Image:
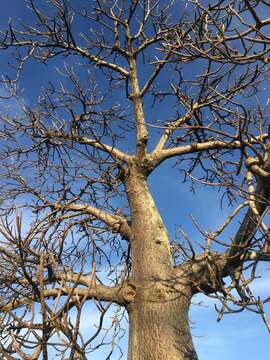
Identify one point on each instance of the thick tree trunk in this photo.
(159, 330)
(158, 316)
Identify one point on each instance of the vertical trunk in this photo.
(159, 330)
(150, 246)
(158, 316)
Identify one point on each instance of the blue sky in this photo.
(237, 336)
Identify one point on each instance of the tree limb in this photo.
(116, 223)
(161, 155)
(121, 294)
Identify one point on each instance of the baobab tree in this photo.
(131, 85)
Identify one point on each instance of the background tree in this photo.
(131, 85)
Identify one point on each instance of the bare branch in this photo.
(114, 222)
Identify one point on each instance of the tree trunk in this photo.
(159, 329)
(158, 316)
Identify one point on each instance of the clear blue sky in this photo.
(239, 336)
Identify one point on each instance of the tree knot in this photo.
(128, 292)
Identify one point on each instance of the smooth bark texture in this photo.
(158, 316)
(149, 235)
